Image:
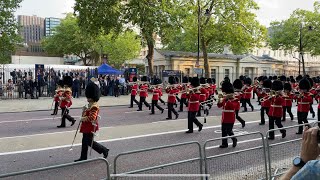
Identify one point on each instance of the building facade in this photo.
(50, 24)
(32, 28)
(221, 65)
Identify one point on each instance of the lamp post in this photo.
(198, 56)
(299, 62)
(301, 48)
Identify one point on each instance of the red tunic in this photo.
(214, 88)
(57, 96)
(203, 95)
(228, 111)
(318, 98)
(194, 103)
(247, 92)
(172, 94)
(184, 94)
(134, 89)
(143, 90)
(276, 108)
(304, 102)
(66, 100)
(238, 96)
(156, 94)
(92, 117)
(288, 100)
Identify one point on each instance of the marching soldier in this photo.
(237, 84)
(184, 88)
(312, 93)
(194, 106)
(155, 97)
(304, 99)
(264, 99)
(134, 89)
(143, 94)
(288, 97)
(276, 109)
(172, 92)
(228, 114)
(203, 95)
(90, 124)
(66, 102)
(160, 99)
(247, 89)
(57, 97)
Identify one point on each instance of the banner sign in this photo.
(167, 73)
(132, 73)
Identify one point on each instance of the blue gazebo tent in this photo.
(106, 69)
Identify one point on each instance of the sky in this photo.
(270, 10)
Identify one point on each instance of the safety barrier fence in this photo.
(255, 157)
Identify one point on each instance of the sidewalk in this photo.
(21, 105)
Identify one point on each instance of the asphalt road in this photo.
(247, 163)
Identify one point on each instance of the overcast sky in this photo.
(270, 10)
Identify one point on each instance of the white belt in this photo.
(228, 111)
(303, 103)
(247, 92)
(155, 93)
(276, 106)
(193, 101)
(202, 94)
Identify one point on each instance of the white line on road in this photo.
(28, 120)
(111, 140)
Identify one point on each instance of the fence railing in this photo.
(189, 160)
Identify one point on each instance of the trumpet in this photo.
(154, 86)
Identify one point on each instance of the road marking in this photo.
(28, 120)
(103, 141)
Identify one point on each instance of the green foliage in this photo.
(286, 34)
(8, 28)
(71, 39)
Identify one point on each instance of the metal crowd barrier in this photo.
(65, 171)
(279, 159)
(191, 167)
(238, 160)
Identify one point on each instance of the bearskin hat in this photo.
(157, 81)
(264, 78)
(190, 79)
(195, 82)
(248, 81)
(93, 92)
(260, 78)
(226, 79)
(242, 78)
(292, 80)
(277, 85)
(237, 84)
(287, 86)
(144, 79)
(213, 80)
(171, 80)
(288, 80)
(304, 84)
(270, 77)
(315, 80)
(274, 78)
(308, 76)
(283, 78)
(209, 81)
(267, 83)
(67, 81)
(185, 80)
(298, 78)
(202, 80)
(227, 87)
(134, 79)
(60, 83)
(177, 80)
(311, 81)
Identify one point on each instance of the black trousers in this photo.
(161, 100)
(133, 99)
(178, 99)
(170, 110)
(65, 115)
(245, 102)
(143, 100)
(277, 121)
(226, 130)
(155, 103)
(192, 119)
(55, 110)
(311, 109)
(263, 110)
(239, 118)
(183, 101)
(285, 110)
(86, 142)
(318, 117)
(302, 119)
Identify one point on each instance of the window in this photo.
(187, 71)
(246, 72)
(226, 72)
(265, 72)
(213, 73)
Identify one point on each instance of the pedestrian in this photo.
(143, 93)
(10, 88)
(155, 97)
(183, 97)
(237, 84)
(90, 124)
(172, 91)
(75, 87)
(57, 97)
(288, 97)
(247, 89)
(134, 90)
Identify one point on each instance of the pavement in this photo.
(31, 140)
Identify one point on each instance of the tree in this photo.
(8, 28)
(148, 15)
(229, 22)
(300, 33)
(71, 39)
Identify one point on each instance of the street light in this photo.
(299, 62)
(310, 28)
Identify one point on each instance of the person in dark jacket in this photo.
(76, 87)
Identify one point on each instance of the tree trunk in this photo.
(150, 56)
(205, 58)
